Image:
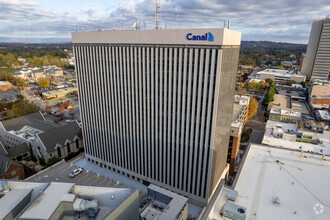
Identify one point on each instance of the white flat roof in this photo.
(285, 112)
(46, 204)
(221, 36)
(301, 185)
(325, 115)
(285, 126)
(2, 83)
(281, 72)
(12, 199)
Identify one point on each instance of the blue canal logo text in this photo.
(207, 36)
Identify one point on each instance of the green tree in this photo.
(290, 82)
(269, 80)
(269, 97)
(21, 108)
(53, 160)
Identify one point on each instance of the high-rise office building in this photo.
(316, 63)
(156, 105)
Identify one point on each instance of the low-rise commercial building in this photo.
(274, 184)
(280, 75)
(10, 169)
(239, 118)
(58, 93)
(289, 135)
(284, 115)
(37, 72)
(56, 200)
(320, 97)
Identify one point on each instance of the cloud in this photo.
(280, 20)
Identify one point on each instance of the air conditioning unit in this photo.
(233, 211)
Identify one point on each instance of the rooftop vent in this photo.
(232, 195)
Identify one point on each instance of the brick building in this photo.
(10, 169)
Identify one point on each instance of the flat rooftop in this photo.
(300, 184)
(221, 36)
(321, 91)
(47, 203)
(285, 112)
(171, 210)
(281, 72)
(12, 199)
(280, 102)
(45, 199)
(291, 128)
(325, 115)
(237, 111)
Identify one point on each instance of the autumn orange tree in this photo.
(253, 108)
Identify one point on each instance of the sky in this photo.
(54, 20)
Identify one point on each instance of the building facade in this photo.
(239, 119)
(156, 106)
(316, 64)
(284, 115)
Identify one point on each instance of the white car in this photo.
(75, 172)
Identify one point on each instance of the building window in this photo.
(77, 144)
(68, 147)
(59, 154)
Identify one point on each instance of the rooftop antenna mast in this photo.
(77, 26)
(177, 18)
(156, 3)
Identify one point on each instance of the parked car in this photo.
(75, 172)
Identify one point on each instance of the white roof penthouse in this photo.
(279, 184)
(172, 37)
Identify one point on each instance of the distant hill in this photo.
(272, 45)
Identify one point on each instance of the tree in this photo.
(269, 97)
(21, 108)
(240, 90)
(35, 62)
(17, 81)
(253, 108)
(44, 81)
(269, 80)
(53, 160)
(290, 82)
(305, 84)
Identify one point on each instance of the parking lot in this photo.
(60, 173)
